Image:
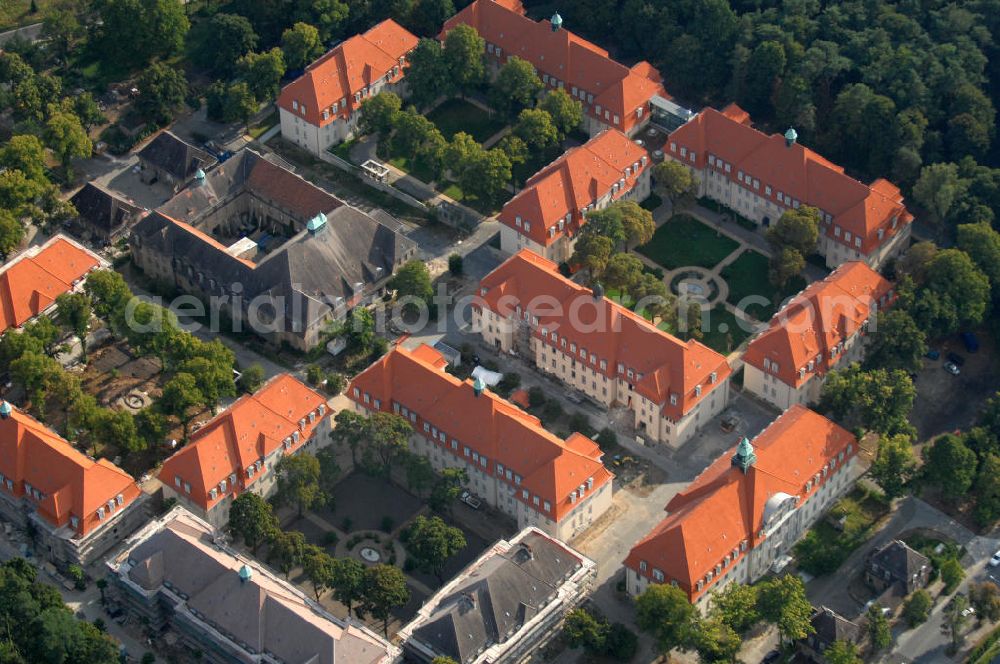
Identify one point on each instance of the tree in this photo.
(796, 229)
(515, 87)
(67, 138)
(419, 474)
(917, 607)
(583, 630)
(117, 429)
(894, 464)
(898, 342)
(879, 400)
(675, 181)
(431, 542)
(73, 312)
(488, 175)
(427, 16)
(987, 490)
(951, 574)
(61, 28)
(463, 57)
(842, 652)
(133, 32)
(622, 273)
(784, 265)
(252, 378)
(298, 480)
(961, 286)
(318, 565)
(955, 620)
(36, 373)
(566, 112)
(26, 154)
(985, 599)
(252, 519)
(108, 292)
(85, 107)
(347, 579)
(535, 127)
(11, 233)
(879, 632)
(982, 244)
(387, 436)
(447, 488)
(412, 280)
(179, 395)
(427, 76)
(262, 72)
(455, 264)
(593, 253)
(951, 466)
(765, 67)
(384, 589)
(736, 606)
(18, 194)
(286, 549)
(351, 430)
(782, 601)
(666, 614)
(221, 41)
(227, 102)
(516, 150)
(716, 641)
(301, 45)
(162, 90)
(938, 190)
(379, 113)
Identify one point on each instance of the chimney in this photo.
(5, 410)
(556, 22)
(790, 137)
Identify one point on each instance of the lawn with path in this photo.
(725, 331)
(747, 276)
(683, 241)
(455, 115)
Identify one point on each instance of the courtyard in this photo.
(455, 115)
(684, 241)
(747, 277)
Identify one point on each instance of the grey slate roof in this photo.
(175, 156)
(498, 598)
(261, 614)
(830, 626)
(899, 560)
(102, 210)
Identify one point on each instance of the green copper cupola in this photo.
(745, 456)
(556, 22)
(791, 136)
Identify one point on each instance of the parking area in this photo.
(946, 402)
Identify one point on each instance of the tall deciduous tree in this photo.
(286, 549)
(298, 480)
(782, 601)
(566, 112)
(535, 127)
(431, 542)
(181, 394)
(736, 606)
(252, 519)
(879, 632)
(894, 464)
(347, 579)
(262, 72)
(951, 465)
(351, 430)
(317, 565)
(897, 343)
(162, 90)
(384, 589)
(221, 41)
(413, 280)
(515, 88)
(379, 113)
(593, 253)
(463, 57)
(301, 45)
(66, 137)
(842, 652)
(676, 182)
(666, 614)
(427, 76)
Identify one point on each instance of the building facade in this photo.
(823, 327)
(744, 513)
(517, 467)
(227, 608)
(482, 615)
(321, 108)
(549, 211)
(79, 508)
(761, 176)
(31, 281)
(238, 450)
(613, 96)
(600, 348)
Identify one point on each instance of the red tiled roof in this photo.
(724, 507)
(577, 179)
(795, 171)
(71, 484)
(819, 318)
(666, 365)
(567, 57)
(249, 430)
(350, 67)
(31, 283)
(488, 425)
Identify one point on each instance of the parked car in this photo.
(955, 359)
(970, 341)
(469, 499)
(951, 368)
(932, 354)
(995, 560)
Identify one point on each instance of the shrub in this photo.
(607, 439)
(580, 422)
(536, 397)
(917, 607)
(330, 538)
(346, 524)
(551, 412)
(620, 643)
(314, 374)
(951, 574)
(335, 383)
(455, 265)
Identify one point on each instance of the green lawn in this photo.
(455, 115)
(15, 13)
(684, 241)
(454, 191)
(747, 276)
(725, 333)
(417, 168)
(258, 130)
(825, 548)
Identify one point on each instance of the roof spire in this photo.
(745, 456)
(556, 22)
